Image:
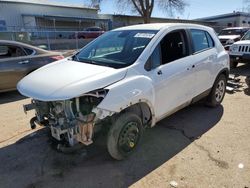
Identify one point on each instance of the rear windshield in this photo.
(231, 32)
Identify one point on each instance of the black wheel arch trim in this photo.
(224, 71)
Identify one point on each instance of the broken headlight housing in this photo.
(71, 120)
(85, 104)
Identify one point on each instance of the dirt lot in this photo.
(196, 147)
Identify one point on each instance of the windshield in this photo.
(231, 32)
(116, 49)
(246, 36)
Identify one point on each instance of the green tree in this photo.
(145, 7)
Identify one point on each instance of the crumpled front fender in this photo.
(128, 92)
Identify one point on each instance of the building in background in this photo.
(235, 19)
(35, 15)
(27, 15)
(55, 25)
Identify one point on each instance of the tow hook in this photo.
(33, 122)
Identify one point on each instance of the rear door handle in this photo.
(193, 66)
(23, 62)
(159, 72)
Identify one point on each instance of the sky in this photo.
(195, 9)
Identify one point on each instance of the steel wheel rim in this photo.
(128, 138)
(220, 90)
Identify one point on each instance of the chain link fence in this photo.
(51, 40)
(57, 39)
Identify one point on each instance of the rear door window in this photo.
(201, 40)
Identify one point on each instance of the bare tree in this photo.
(246, 6)
(145, 7)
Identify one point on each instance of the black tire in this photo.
(218, 91)
(233, 64)
(124, 135)
(248, 81)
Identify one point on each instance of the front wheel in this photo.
(218, 91)
(124, 135)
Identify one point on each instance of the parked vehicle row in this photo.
(230, 35)
(236, 40)
(240, 51)
(127, 80)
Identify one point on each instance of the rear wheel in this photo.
(218, 91)
(233, 64)
(124, 135)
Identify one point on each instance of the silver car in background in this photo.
(19, 59)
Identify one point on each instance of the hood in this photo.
(67, 79)
(229, 36)
(246, 42)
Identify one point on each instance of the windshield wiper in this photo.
(75, 58)
(90, 61)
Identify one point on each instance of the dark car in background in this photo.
(91, 32)
(230, 35)
(19, 59)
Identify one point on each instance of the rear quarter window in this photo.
(210, 40)
(29, 51)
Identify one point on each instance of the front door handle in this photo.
(23, 62)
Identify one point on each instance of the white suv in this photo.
(240, 51)
(126, 80)
(230, 35)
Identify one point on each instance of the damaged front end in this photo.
(71, 121)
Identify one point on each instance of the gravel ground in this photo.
(196, 147)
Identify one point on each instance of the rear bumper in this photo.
(245, 58)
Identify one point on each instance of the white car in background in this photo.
(126, 80)
(230, 35)
(240, 51)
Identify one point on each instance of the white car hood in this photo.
(229, 36)
(243, 42)
(67, 79)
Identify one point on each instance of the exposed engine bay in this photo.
(71, 120)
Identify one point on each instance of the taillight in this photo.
(58, 57)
